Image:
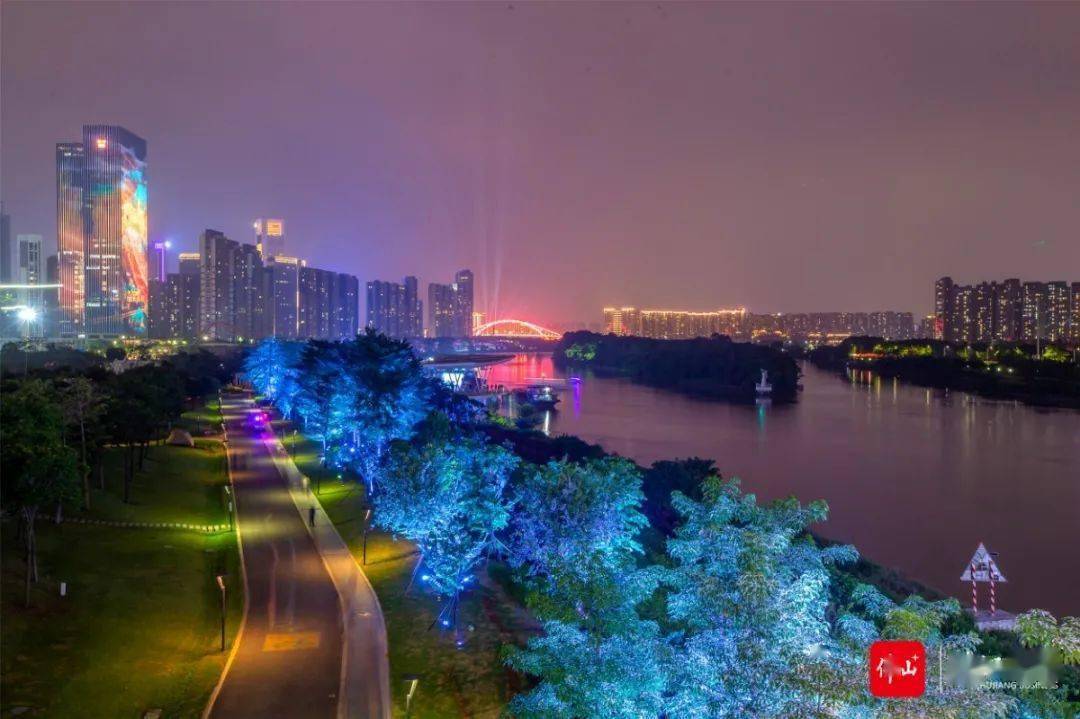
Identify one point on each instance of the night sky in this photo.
(783, 157)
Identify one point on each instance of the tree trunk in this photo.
(129, 470)
(84, 468)
(59, 513)
(31, 549)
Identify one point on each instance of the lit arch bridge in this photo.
(516, 329)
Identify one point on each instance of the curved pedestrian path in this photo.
(313, 640)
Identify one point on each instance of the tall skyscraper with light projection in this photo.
(101, 220)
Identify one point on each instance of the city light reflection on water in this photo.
(914, 477)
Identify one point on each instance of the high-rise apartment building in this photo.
(216, 276)
(284, 296)
(395, 309)
(463, 303)
(249, 300)
(102, 232)
(1057, 311)
(624, 321)
(269, 237)
(1074, 314)
(1006, 311)
(1010, 314)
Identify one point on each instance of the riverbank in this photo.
(1004, 373)
(709, 368)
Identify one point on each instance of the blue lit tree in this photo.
(272, 368)
(449, 497)
(749, 592)
(388, 397)
(322, 388)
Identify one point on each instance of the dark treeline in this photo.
(712, 368)
(58, 423)
(1008, 371)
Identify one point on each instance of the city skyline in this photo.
(783, 180)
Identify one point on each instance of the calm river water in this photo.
(914, 478)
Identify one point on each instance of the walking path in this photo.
(313, 641)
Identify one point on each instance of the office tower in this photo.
(1034, 311)
(269, 237)
(463, 303)
(216, 276)
(29, 264)
(1057, 311)
(51, 298)
(5, 247)
(284, 297)
(115, 220)
(1009, 324)
(944, 303)
(71, 236)
(440, 310)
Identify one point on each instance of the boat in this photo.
(541, 396)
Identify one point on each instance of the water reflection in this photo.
(915, 477)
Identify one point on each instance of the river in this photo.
(915, 478)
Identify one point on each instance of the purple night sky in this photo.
(785, 157)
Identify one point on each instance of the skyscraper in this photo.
(285, 289)
(1057, 311)
(216, 272)
(1009, 310)
(115, 229)
(944, 301)
(395, 309)
(71, 236)
(1075, 314)
(29, 265)
(157, 323)
(249, 302)
(440, 310)
(1034, 311)
(463, 303)
(269, 237)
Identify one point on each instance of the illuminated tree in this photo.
(749, 592)
(575, 538)
(450, 499)
(271, 368)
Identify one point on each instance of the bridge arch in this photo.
(515, 328)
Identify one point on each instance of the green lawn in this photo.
(208, 416)
(466, 681)
(140, 626)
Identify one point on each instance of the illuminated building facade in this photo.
(463, 303)
(70, 236)
(623, 321)
(116, 285)
(269, 237)
(1006, 311)
(29, 265)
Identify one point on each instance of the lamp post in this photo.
(26, 315)
(221, 586)
(367, 518)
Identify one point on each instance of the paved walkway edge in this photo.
(362, 617)
(243, 571)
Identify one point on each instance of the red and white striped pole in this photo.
(974, 591)
(993, 600)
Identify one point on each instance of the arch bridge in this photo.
(515, 328)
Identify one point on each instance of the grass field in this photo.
(139, 628)
(465, 681)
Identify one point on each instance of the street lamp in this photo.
(367, 518)
(221, 586)
(26, 315)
